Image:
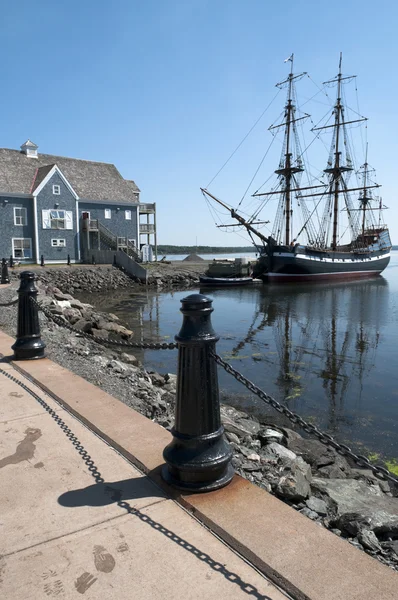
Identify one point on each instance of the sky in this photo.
(167, 89)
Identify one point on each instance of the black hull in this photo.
(301, 264)
(225, 281)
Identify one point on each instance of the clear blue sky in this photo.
(166, 89)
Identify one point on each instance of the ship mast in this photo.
(337, 171)
(365, 199)
(287, 171)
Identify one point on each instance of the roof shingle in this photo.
(95, 181)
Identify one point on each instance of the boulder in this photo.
(295, 483)
(83, 325)
(275, 451)
(317, 505)
(352, 498)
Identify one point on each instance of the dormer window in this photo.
(56, 190)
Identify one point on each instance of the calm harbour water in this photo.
(329, 351)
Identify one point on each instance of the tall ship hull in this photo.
(302, 264)
(332, 226)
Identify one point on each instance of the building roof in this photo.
(94, 181)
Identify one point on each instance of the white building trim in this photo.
(36, 229)
(47, 178)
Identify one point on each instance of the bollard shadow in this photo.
(112, 492)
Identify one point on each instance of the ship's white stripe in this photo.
(328, 260)
(317, 274)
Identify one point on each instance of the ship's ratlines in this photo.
(325, 226)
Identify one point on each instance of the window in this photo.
(56, 190)
(127, 214)
(22, 248)
(20, 217)
(57, 219)
(108, 213)
(58, 243)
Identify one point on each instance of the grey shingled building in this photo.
(55, 206)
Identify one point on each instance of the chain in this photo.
(116, 497)
(100, 340)
(9, 303)
(324, 438)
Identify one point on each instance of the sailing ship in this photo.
(324, 251)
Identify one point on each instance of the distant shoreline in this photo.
(183, 250)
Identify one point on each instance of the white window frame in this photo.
(108, 213)
(22, 248)
(57, 219)
(127, 215)
(58, 243)
(56, 190)
(23, 217)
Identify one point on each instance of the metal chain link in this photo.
(9, 303)
(100, 340)
(324, 438)
(115, 495)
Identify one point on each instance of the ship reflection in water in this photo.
(315, 348)
(326, 350)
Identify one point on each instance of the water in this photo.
(327, 350)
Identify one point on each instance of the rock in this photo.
(295, 484)
(309, 513)
(100, 333)
(115, 328)
(369, 540)
(332, 472)
(233, 427)
(83, 325)
(72, 315)
(277, 451)
(157, 379)
(131, 360)
(56, 310)
(317, 505)
(63, 303)
(250, 425)
(251, 466)
(77, 304)
(171, 379)
(254, 456)
(102, 361)
(269, 435)
(61, 296)
(354, 497)
(232, 437)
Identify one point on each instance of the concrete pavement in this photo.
(77, 519)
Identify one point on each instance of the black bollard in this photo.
(11, 263)
(199, 458)
(114, 260)
(4, 272)
(29, 344)
(68, 260)
(92, 260)
(42, 260)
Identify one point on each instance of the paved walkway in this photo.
(76, 519)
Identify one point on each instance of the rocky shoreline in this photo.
(96, 278)
(312, 478)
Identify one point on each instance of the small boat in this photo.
(336, 214)
(224, 281)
